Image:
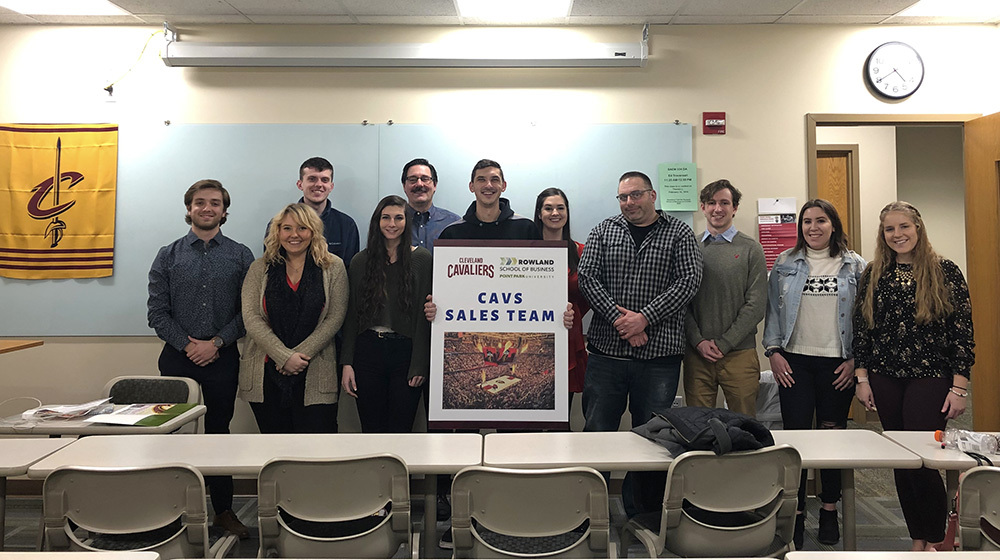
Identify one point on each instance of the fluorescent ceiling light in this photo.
(63, 7)
(513, 10)
(981, 10)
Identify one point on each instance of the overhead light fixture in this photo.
(63, 7)
(513, 10)
(971, 10)
(406, 55)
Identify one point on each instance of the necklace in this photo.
(904, 275)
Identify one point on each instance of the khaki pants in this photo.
(738, 373)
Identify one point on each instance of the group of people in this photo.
(897, 331)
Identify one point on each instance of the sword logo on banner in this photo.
(53, 185)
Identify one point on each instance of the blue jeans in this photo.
(646, 386)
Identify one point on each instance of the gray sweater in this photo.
(732, 298)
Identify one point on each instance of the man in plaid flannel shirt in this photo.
(639, 271)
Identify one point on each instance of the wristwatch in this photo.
(218, 342)
(771, 351)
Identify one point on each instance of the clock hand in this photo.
(879, 81)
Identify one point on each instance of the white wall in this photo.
(930, 176)
(876, 170)
(765, 77)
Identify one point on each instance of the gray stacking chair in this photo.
(979, 509)
(335, 508)
(159, 509)
(155, 389)
(537, 513)
(737, 504)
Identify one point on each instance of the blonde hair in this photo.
(932, 297)
(304, 216)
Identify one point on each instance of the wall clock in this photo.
(894, 70)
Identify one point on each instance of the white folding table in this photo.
(245, 454)
(77, 427)
(16, 455)
(831, 449)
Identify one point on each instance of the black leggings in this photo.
(915, 405)
(814, 393)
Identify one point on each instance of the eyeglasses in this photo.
(413, 179)
(634, 195)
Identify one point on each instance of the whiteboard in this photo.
(258, 164)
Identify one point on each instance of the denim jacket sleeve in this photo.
(777, 328)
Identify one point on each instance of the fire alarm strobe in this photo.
(713, 123)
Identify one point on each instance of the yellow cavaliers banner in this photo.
(57, 200)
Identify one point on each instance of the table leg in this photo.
(3, 510)
(850, 511)
(430, 515)
(951, 479)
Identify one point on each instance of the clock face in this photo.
(894, 70)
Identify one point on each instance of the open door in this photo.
(982, 223)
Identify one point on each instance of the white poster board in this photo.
(499, 350)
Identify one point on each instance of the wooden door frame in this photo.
(833, 119)
(853, 188)
(986, 353)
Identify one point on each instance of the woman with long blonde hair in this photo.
(294, 301)
(914, 350)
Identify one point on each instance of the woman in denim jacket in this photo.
(807, 336)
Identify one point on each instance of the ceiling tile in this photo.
(289, 7)
(409, 20)
(723, 20)
(851, 7)
(617, 20)
(928, 20)
(400, 7)
(302, 20)
(738, 7)
(832, 20)
(188, 19)
(177, 7)
(638, 8)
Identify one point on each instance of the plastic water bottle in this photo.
(965, 440)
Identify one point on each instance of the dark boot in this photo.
(798, 537)
(829, 527)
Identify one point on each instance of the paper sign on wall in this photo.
(678, 187)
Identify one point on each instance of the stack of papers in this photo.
(67, 411)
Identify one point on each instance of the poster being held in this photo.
(498, 344)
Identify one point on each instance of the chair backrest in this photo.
(132, 389)
(166, 503)
(534, 512)
(736, 504)
(334, 508)
(142, 389)
(979, 509)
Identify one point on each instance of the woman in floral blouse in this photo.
(913, 350)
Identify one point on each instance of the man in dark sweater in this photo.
(490, 216)
(722, 319)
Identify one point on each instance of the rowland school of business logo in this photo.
(517, 267)
(57, 200)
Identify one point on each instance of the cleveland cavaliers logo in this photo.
(53, 185)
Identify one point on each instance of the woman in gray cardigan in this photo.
(294, 301)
